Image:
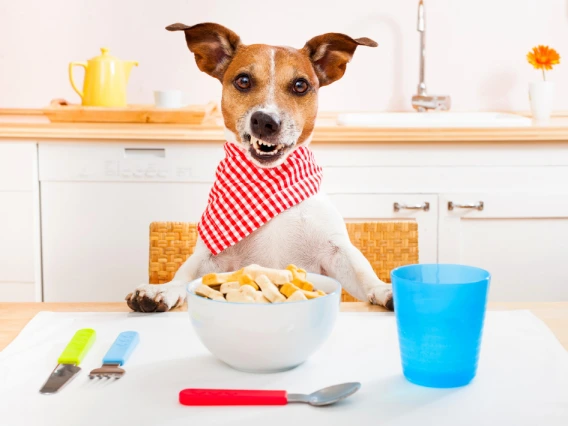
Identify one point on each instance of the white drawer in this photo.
(17, 166)
(371, 207)
(128, 162)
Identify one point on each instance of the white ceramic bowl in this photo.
(263, 337)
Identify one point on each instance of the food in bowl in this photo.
(256, 284)
(264, 337)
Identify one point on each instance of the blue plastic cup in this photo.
(439, 311)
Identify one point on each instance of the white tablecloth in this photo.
(522, 377)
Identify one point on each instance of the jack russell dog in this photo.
(265, 206)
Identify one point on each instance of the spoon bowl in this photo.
(326, 396)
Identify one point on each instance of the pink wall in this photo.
(476, 48)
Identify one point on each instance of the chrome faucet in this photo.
(422, 101)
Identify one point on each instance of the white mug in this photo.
(168, 98)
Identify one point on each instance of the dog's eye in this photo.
(301, 86)
(242, 82)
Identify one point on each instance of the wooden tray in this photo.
(60, 111)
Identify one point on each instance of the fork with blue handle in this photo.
(117, 356)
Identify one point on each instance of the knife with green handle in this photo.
(69, 360)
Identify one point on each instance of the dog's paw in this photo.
(382, 296)
(154, 298)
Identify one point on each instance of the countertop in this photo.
(32, 125)
(14, 316)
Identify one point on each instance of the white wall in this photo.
(476, 48)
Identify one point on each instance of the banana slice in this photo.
(226, 287)
(297, 296)
(269, 290)
(259, 297)
(246, 279)
(277, 276)
(239, 297)
(208, 292)
(221, 278)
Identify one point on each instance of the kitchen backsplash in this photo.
(475, 49)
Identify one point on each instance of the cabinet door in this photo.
(378, 207)
(95, 235)
(521, 239)
(18, 166)
(20, 275)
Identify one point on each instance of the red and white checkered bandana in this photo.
(244, 196)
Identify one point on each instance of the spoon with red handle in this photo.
(326, 396)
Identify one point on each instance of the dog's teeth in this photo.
(257, 143)
(264, 143)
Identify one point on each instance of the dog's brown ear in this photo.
(212, 44)
(330, 54)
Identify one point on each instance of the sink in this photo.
(433, 119)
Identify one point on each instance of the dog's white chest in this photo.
(299, 235)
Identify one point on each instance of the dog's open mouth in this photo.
(265, 152)
(263, 148)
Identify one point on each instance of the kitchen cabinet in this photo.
(20, 266)
(419, 208)
(522, 239)
(18, 166)
(98, 199)
(96, 234)
(520, 236)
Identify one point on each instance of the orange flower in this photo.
(543, 57)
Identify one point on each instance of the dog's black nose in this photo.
(264, 125)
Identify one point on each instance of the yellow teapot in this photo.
(105, 80)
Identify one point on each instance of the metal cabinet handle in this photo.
(424, 206)
(476, 206)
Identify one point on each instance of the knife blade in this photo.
(69, 360)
